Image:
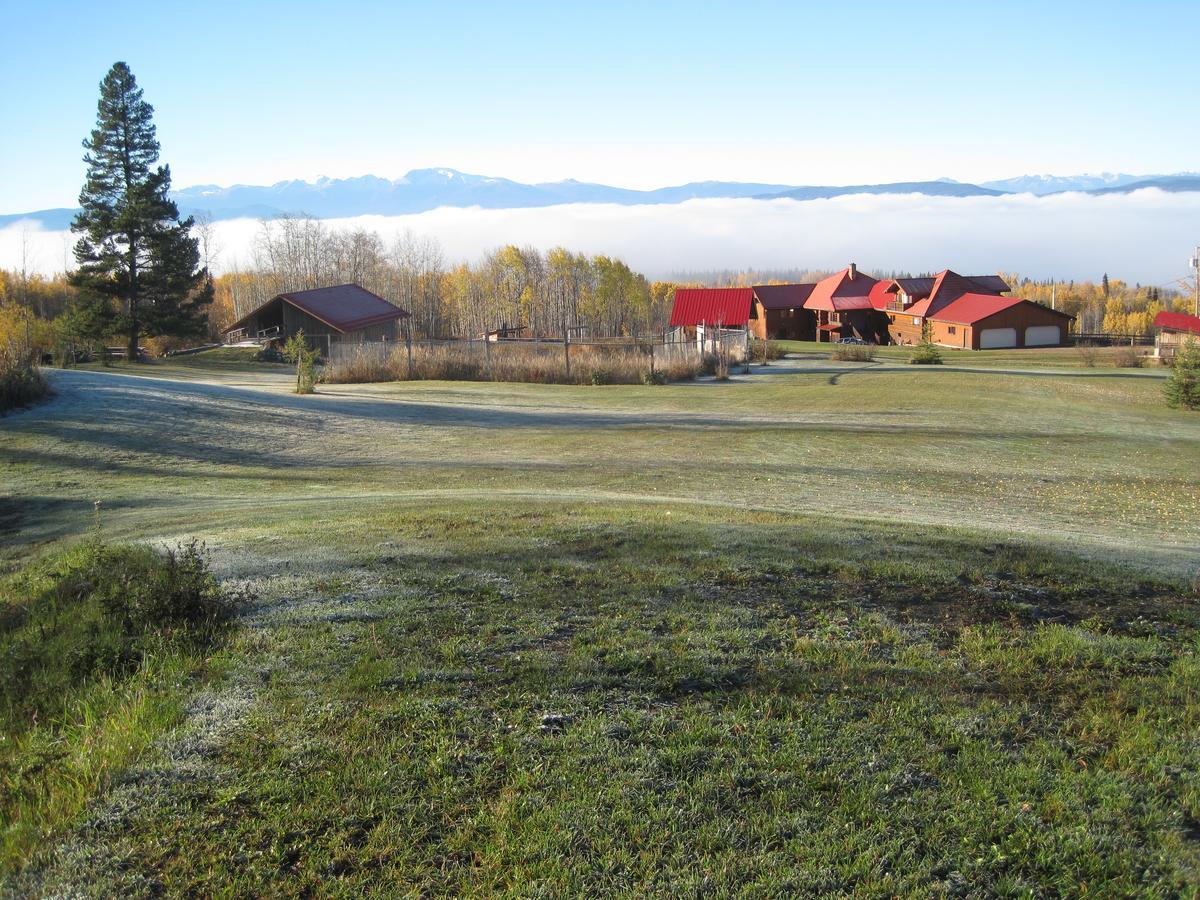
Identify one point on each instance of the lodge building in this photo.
(967, 312)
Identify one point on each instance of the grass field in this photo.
(828, 628)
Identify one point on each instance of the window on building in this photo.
(952, 330)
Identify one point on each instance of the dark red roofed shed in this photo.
(343, 312)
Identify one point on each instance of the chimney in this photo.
(853, 270)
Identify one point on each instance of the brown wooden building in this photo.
(969, 312)
(344, 312)
(778, 313)
(1173, 331)
(842, 306)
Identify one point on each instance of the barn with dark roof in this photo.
(344, 312)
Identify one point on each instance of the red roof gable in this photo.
(968, 309)
(881, 293)
(948, 286)
(782, 296)
(343, 307)
(1178, 322)
(840, 291)
(711, 306)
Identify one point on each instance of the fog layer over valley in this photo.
(1142, 237)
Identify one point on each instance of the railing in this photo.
(1111, 339)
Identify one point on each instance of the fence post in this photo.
(408, 344)
(487, 355)
(567, 352)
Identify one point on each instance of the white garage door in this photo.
(990, 338)
(1042, 336)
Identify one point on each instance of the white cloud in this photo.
(1144, 236)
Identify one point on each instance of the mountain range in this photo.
(426, 189)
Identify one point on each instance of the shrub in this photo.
(96, 611)
(165, 345)
(853, 352)
(1128, 358)
(21, 386)
(656, 376)
(298, 351)
(682, 370)
(926, 354)
(1088, 354)
(1182, 390)
(765, 351)
(500, 361)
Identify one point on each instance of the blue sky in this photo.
(637, 94)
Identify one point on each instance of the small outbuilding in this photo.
(1173, 331)
(330, 315)
(708, 315)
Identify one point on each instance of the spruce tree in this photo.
(1182, 389)
(134, 250)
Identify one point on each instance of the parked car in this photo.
(852, 340)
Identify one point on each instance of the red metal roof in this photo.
(343, 307)
(1178, 322)
(711, 306)
(948, 286)
(840, 292)
(881, 293)
(968, 309)
(782, 296)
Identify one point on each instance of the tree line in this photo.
(548, 293)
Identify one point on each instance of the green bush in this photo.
(601, 376)
(765, 351)
(926, 354)
(297, 351)
(656, 376)
(21, 386)
(97, 611)
(853, 352)
(1182, 390)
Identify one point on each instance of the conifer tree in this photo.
(134, 250)
(1182, 389)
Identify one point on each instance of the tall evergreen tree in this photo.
(134, 250)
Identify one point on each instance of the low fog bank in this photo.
(1144, 236)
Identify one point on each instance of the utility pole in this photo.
(1195, 262)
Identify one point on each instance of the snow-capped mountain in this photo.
(425, 189)
(1057, 184)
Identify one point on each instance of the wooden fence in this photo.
(1110, 339)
